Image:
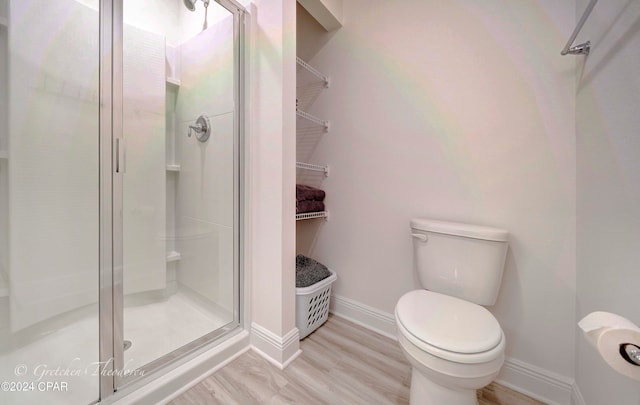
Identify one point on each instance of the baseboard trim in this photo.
(533, 381)
(576, 395)
(538, 383)
(364, 315)
(279, 351)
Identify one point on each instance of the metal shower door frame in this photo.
(111, 139)
(108, 77)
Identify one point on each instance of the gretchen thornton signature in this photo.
(76, 368)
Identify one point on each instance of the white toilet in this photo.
(455, 346)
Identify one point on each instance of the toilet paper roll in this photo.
(609, 344)
(596, 322)
(609, 332)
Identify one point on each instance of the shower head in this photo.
(191, 4)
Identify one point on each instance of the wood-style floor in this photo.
(341, 363)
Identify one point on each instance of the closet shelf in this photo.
(4, 21)
(315, 168)
(173, 168)
(312, 215)
(4, 154)
(173, 256)
(311, 118)
(314, 73)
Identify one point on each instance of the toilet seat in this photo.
(449, 328)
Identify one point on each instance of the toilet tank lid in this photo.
(460, 229)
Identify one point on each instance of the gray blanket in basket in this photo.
(309, 271)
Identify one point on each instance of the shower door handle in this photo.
(121, 156)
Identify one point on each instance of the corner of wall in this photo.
(535, 382)
(327, 12)
(272, 205)
(576, 395)
(277, 350)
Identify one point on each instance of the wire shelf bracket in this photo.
(324, 79)
(585, 47)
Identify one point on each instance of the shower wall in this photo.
(144, 202)
(53, 188)
(205, 197)
(53, 159)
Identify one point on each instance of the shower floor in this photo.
(60, 356)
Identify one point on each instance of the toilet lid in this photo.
(448, 323)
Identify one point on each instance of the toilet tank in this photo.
(461, 260)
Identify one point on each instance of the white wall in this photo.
(455, 110)
(273, 175)
(608, 161)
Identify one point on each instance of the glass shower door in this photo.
(120, 202)
(180, 203)
(49, 202)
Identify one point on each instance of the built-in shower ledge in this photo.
(172, 81)
(173, 256)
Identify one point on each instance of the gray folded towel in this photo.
(309, 206)
(309, 193)
(309, 271)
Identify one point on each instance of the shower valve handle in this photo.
(202, 128)
(197, 128)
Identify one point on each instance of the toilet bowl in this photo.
(455, 346)
(454, 350)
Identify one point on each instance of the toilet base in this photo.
(426, 392)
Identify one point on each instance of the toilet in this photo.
(455, 346)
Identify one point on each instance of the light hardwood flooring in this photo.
(341, 363)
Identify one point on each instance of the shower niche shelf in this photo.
(173, 167)
(173, 256)
(173, 82)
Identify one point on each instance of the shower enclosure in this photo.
(121, 177)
